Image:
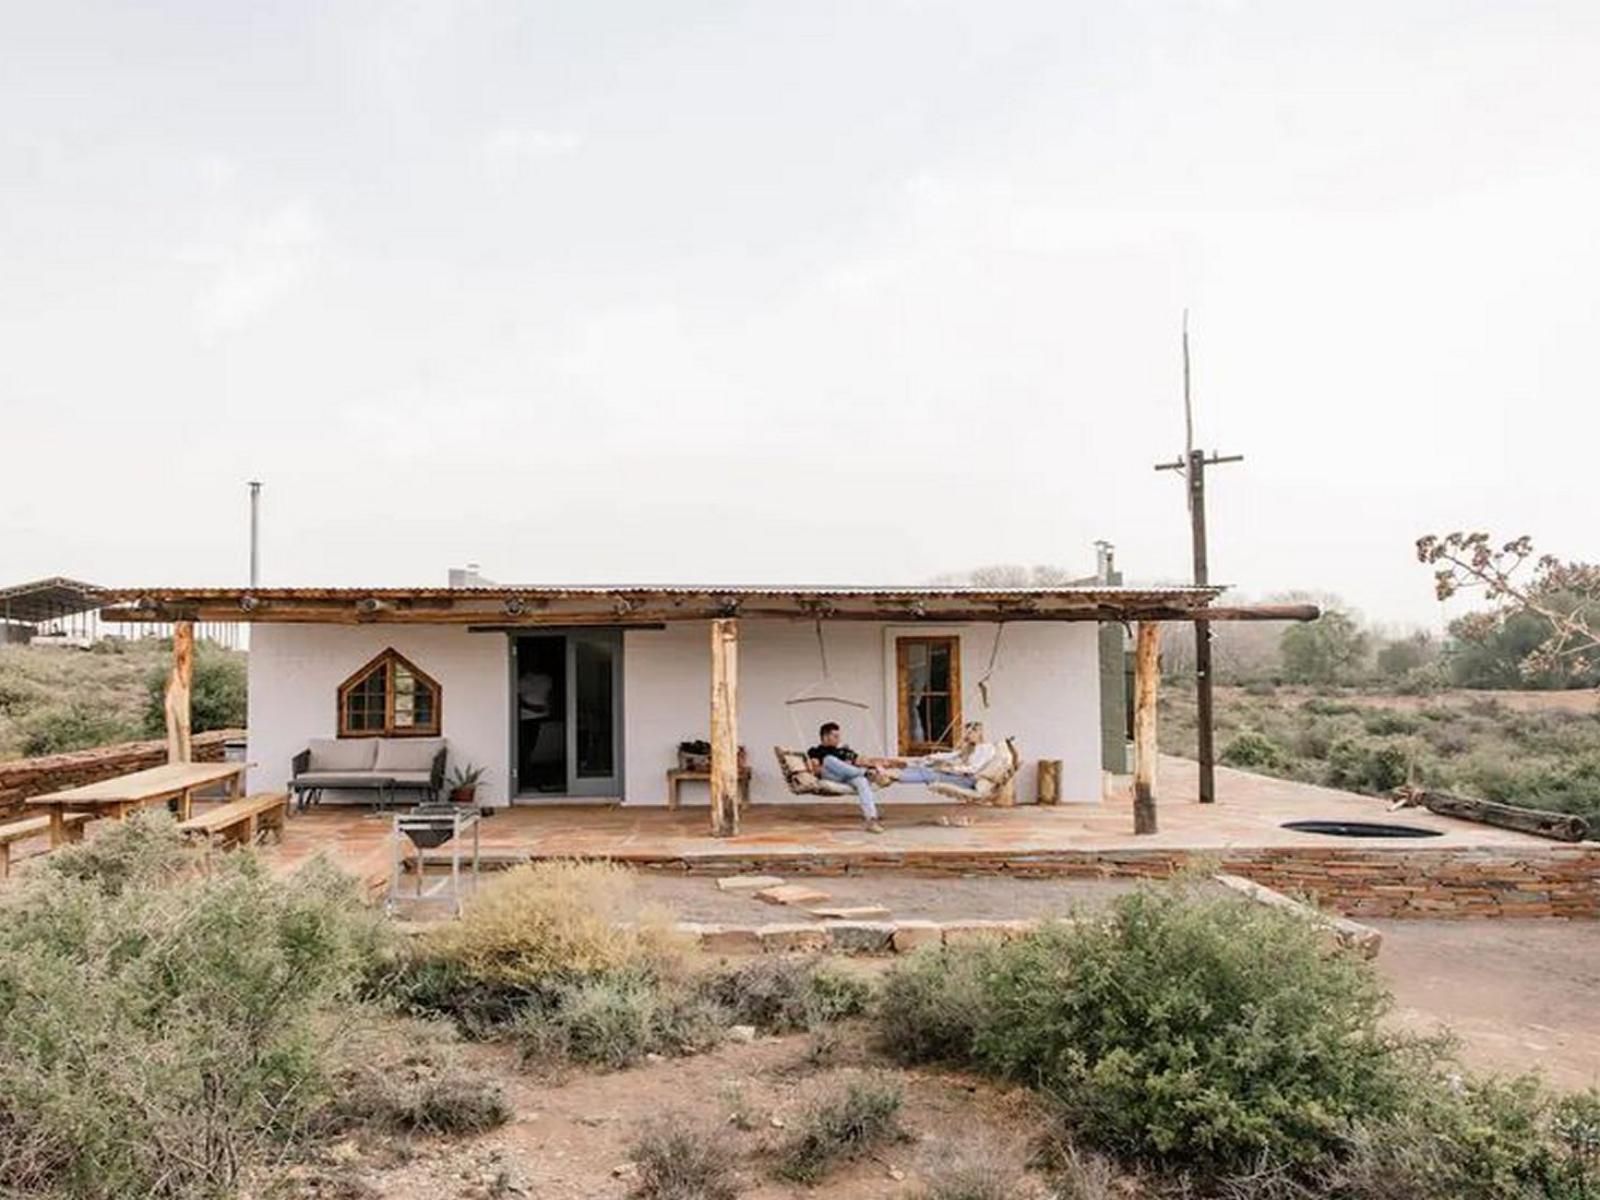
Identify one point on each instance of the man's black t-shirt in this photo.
(842, 753)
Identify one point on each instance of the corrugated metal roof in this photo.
(46, 599)
(560, 591)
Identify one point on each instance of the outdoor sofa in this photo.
(376, 764)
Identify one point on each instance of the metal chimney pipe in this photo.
(255, 532)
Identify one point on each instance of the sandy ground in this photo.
(1521, 995)
(570, 1139)
(935, 899)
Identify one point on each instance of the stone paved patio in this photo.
(1241, 832)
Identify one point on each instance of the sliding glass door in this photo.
(567, 704)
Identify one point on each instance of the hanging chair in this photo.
(794, 764)
(995, 784)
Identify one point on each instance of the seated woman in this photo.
(959, 767)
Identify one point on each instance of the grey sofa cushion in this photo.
(339, 779)
(410, 778)
(343, 754)
(407, 754)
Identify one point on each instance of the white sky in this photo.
(793, 291)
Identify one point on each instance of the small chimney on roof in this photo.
(1105, 563)
(468, 576)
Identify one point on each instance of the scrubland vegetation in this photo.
(168, 1031)
(57, 698)
(1316, 702)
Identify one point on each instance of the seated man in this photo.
(832, 760)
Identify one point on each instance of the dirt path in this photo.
(1521, 995)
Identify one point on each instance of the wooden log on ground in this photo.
(1049, 786)
(1562, 827)
(179, 683)
(1146, 680)
(724, 727)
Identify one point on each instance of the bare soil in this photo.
(1521, 995)
(570, 1140)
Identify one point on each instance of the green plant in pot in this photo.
(462, 782)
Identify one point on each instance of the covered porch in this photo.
(720, 663)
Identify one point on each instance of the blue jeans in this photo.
(926, 774)
(836, 770)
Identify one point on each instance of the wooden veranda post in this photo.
(724, 727)
(179, 681)
(1146, 679)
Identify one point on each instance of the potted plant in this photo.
(462, 782)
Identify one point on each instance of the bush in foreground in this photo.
(678, 1161)
(841, 1128)
(782, 994)
(156, 1038)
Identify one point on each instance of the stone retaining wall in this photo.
(24, 777)
(1366, 882)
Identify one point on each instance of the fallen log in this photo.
(1562, 827)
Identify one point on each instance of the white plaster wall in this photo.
(1044, 692)
(296, 670)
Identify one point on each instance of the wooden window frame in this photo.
(902, 645)
(390, 658)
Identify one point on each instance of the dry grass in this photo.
(558, 920)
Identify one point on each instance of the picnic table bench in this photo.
(16, 831)
(118, 797)
(240, 822)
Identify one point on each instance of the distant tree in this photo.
(1330, 649)
(1005, 575)
(1544, 613)
(1399, 657)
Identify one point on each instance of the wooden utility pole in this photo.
(1193, 466)
(1146, 683)
(724, 727)
(179, 686)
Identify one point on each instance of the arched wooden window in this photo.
(389, 697)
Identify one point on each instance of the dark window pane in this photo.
(939, 668)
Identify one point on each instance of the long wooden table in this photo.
(118, 797)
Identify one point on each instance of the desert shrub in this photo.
(615, 1020)
(1195, 1029)
(1251, 750)
(72, 724)
(402, 1077)
(1361, 766)
(1323, 706)
(976, 1170)
(1385, 722)
(783, 994)
(218, 692)
(1471, 1139)
(840, 1128)
(552, 922)
(932, 1005)
(144, 849)
(679, 1161)
(159, 1037)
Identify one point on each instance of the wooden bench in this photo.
(240, 822)
(16, 831)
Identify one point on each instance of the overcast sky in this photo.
(793, 291)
